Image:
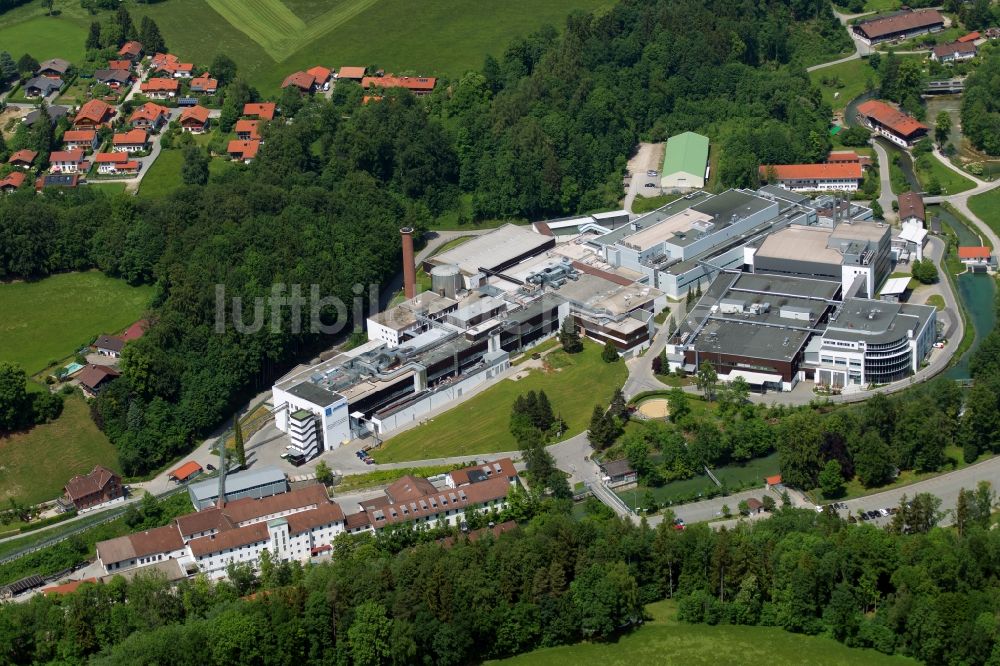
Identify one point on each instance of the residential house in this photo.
(100, 487)
(23, 159)
(54, 112)
(115, 164)
(85, 139)
(261, 110)
(93, 114)
(418, 85)
(911, 209)
(133, 141)
(108, 345)
(160, 59)
(301, 80)
(351, 74)
(893, 124)
(160, 88)
(754, 506)
(842, 176)
(321, 76)
(66, 161)
(900, 25)
(244, 151)
(12, 181)
(618, 473)
(131, 51)
(113, 78)
(94, 378)
(63, 180)
(42, 86)
(124, 65)
(194, 119)
(975, 258)
(246, 130)
(150, 116)
(204, 85)
(55, 68)
(174, 69)
(954, 52)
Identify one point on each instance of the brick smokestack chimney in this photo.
(409, 271)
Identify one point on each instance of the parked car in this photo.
(651, 173)
(650, 185)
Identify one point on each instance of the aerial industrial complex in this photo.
(608, 275)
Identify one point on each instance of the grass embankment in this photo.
(573, 384)
(165, 174)
(986, 206)
(844, 82)
(664, 640)
(382, 477)
(908, 477)
(929, 168)
(52, 318)
(937, 300)
(37, 463)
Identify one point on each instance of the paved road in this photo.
(885, 197)
(648, 157)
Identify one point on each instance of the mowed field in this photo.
(52, 318)
(573, 384)
(269, 39)
(43, 37)
(987, 207)
(34, 465)
(667, 642)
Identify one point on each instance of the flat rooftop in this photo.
(751, 340)
(238, 482)
(876, 322)
(781, 284)
(493, 249)
(596, 292)
(682, 222)
(802, 244)
(860, 231)
(653, 217)
(725, 206)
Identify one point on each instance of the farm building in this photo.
(685, 161)
(418, 85)
(900, 25)
(954, 52)
(893, 124)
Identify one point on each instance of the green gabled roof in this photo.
(687, 152)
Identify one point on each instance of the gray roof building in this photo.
(257, 483)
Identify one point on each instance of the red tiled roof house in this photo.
(23, 159)
(150, 116)
(194, 119)
(131, 51)
(160, 88)
(66, 161)
(82, 139)
(93, 114)
(87, 492)
(12, 181)
(246, 130)
(116, 164)
(261, 110)
(243, 150)
(893, 124)
(133, 141)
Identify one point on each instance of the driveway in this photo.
(649, 157)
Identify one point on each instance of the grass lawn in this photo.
(986, 206)
(930, 168)
(43, 37)
(165, 174)
(937, 300)
(907, 477)
(667, 642)
(732, 476)
(37, 463)
(115, 187)
(842, 83)
(573, 384)
(52, 318)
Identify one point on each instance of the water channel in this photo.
(976, 291)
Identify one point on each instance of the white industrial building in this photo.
(301, 524)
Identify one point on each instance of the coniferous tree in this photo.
(124, 21)
(569, 337)
(241, 455)
(94, 36)
(152, 40)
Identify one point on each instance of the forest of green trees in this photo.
(981, 105)
(405, 598)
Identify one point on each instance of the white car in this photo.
(938, 345)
